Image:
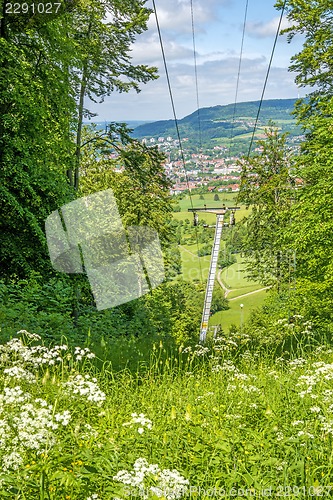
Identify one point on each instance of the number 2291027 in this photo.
(34, 8)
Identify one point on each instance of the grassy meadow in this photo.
(225, 198)
(196, 268)
(246, 415)
(227, 420)
(237, 315)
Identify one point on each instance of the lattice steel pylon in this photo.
(211, 277)
(220, 212)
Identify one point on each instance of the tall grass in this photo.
(229, 419)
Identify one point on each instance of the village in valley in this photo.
(212, 168)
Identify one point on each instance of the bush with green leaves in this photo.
(219, 302)
(172, 310)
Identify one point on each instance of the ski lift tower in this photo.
(220, 212)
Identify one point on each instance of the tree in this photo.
(36, 109)
(138, 180)
(312, 228)
(216, 197)
(219, 302)
(105, 32)
(266, 187)
(314, 63)
(48, 65)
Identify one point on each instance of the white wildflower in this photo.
(81, 353)
(141, 420)
(305, 434)
(13, 396)
(12, 461)
(63, 418)
(315, 409)
(86, 387)
(19, 373)
(167, 483)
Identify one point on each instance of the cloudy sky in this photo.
(218, 35)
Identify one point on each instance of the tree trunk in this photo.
(79, 129)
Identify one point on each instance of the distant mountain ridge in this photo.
(217, 121)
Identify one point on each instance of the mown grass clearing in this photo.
(208, 218)
(237, 315)
(234, 276)
(191, 264)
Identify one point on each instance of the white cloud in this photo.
(268, 29)
(174, 16)
(217, 85)
(148, 51)
(217, 45)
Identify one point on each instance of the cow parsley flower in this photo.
(63, 418)
(167, 484)
(86, 387)
(12, 461)
(142, 421)
(19, 373)
(81, 353)
(13, 396)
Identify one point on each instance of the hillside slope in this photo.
(221, 121)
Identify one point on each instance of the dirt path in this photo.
(189, 251)
(249, 293)
(228, 290)
(222, 285)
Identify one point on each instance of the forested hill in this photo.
(217, 121)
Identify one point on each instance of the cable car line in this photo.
(220, 223)
(266, 79)
(232, 136)
(176, 125)
(196, 77)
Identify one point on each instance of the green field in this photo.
(241, 291)
(225, 198)
(191, 263)
(233, 277)
(237, 315)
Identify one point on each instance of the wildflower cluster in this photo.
(149, 481)
(317, 385)
(294, 325)
(81, 353)
(231, 342)
(141, 420)
(199, 350)
(16, 353)
(86, 386)
(28, 426)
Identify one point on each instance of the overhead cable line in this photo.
(238, 76)
(196, 76)
(176, 125)
(266, 79)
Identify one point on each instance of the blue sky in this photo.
(218, 32)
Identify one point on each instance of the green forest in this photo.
(224, 122)
(124, 402)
